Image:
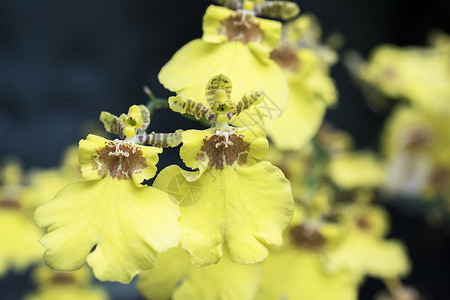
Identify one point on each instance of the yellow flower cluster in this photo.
(216, 230)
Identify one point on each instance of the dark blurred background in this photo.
(62, 62)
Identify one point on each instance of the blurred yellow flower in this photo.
(306, 68)
(357, 169)
(19, 246)
(416, 145)
(297, 270)
(113, 221)
(418, 74)
(363, 249)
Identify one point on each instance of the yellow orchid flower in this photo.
(231, 199)
(174, 277)
(415, 143)
(297, 270)
(363, 250)
(64, 286)
(311, 90)
(418, 74)
(19, 246)
(111, 220)
(237, 44)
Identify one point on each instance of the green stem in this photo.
(154, 103)
(316, 169)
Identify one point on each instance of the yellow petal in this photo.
(189, 70)
(121, 160)
(246, 208)
(221, 148)
(126, 225)
(299, 122)
(19, 241)
(174, 277)
(299, 275)
(170, 269)
(224, 280)
(356, 170)
(367, 255)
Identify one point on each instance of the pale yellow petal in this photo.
(356, 170)
(367, 255)
(246, 208)
(299, 122)
(170, 269)
(19, 245)
(115, 226)
(299, 275)
(224, 280)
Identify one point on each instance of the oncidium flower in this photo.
(238, 44)
(298, 271)
(111, 220)
(19, 246)
(231, 199)
(363, 250)
(415, 143)
(418, 74)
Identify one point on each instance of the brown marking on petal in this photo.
(120, 164)
(440, 177)
(220, 153)
(10, 203)
(307, 238)
(61, 278)
(362, 223)
(242, 159)
(285, 57)
(417, 138)
(95, 166)
(241, 28)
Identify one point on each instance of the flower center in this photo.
(307, 238)
(285, 57)
(9, 203)
(224, 148)
(60, 278)
(120, 159)
(362, 223)
(241, 28)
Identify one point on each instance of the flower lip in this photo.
(63, 278)
(120, 159)
(242, 28)
(307, 238)
(224, 148)
(10, 203)
(285, 57)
